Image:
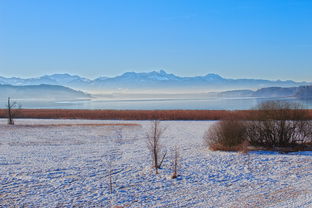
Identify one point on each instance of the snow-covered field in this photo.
(67, 166)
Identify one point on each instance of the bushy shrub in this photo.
(273, 124)
(227, 135)
(279, 124)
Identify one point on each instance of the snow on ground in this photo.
(68, 166)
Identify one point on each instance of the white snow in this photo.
(67, 166)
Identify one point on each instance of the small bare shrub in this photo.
(244, 147)
(154, 145)
(227, 135)
(110, 177)
(175, 162)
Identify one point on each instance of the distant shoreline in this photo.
(132, 114)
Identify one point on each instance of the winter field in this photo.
(66, 163)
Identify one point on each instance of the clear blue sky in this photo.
(269, 39)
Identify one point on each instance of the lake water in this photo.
(156, 104)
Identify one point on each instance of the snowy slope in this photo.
(65, 166)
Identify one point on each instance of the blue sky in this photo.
(270, 39)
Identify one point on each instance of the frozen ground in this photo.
(67, 166)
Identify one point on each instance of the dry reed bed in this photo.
(133, 114)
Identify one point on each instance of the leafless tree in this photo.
(154, 145)
(279, 124)
(175, 162)
(11, 111)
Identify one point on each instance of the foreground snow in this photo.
(65, 166)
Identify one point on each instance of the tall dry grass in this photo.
(121, 114)
(136, 114)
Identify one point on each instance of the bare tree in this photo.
(175, 162)
(154, 145)
(11, 111)
(279, 124)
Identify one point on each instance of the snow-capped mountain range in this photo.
(150, 81)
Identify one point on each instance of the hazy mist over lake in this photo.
(159, 102)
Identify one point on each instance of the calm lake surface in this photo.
(156, 104)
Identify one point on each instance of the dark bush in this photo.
(279, 124)
(273, 124)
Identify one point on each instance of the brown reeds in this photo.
(136, 114)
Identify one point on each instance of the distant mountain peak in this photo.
(65, 77)
(163, 72)
(213, 76)
(153, 75)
